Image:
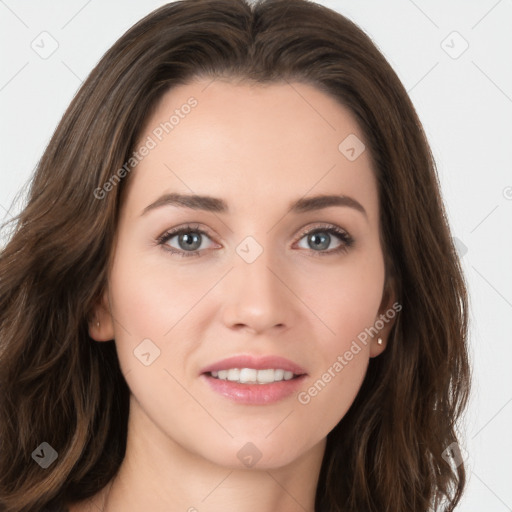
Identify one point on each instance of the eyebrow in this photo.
(216, 205)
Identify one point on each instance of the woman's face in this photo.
(258, 273)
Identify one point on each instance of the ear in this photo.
(101, 324)
(385, 319)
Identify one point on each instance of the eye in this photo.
(189, 240)
(320, 239)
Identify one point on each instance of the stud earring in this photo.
(379, 341)
(97, 324)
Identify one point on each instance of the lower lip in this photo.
(254, 394)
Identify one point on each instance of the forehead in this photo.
(252, 144)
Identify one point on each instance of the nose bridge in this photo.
(255, 260)
(255, 297)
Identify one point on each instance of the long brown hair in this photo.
(388, 453)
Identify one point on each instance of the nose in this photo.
(258, 296)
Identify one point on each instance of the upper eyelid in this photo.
(326, 225)
(196, 227)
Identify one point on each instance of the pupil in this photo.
(320, 240)
(191, 242)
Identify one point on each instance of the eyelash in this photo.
(343, 236)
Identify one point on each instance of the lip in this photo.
(254, 394)
(256, 362)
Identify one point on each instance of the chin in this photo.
(256, 453)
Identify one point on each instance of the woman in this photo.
(233, 286)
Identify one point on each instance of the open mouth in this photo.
(253, 376)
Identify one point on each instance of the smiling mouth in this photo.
(253, 376)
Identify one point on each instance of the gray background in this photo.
(463, 97)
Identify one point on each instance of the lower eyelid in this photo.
(166, 237)
(345, 239)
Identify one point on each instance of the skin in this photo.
(259, 148)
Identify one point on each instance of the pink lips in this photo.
(254, 394)
(256, 362)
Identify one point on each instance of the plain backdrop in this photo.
(453, 57)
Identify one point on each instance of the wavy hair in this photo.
(388, 453)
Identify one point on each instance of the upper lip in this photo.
(256, 362)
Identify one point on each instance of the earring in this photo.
(379, 341)
(97, 324)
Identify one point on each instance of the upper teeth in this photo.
(245, 375)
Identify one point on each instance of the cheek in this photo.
(157, 309)
(342, 351)
(150, 297)
(345, 297)
(330, 392)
